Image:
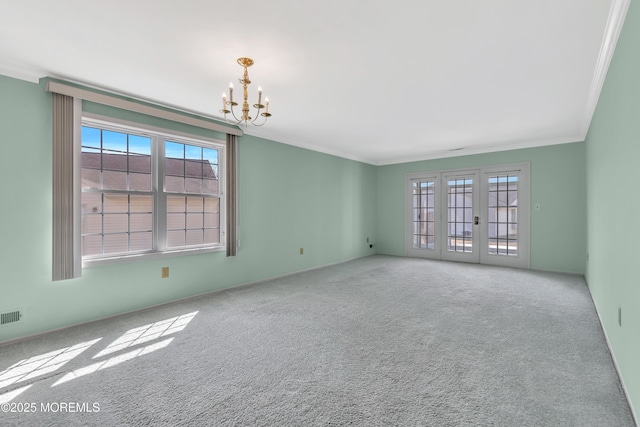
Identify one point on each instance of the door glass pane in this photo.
(503, 214)
(459, 215)
(423, 215)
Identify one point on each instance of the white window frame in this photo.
(159, 136)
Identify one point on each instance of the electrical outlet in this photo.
(301, 251)
(165, 272)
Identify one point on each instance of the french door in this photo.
(475, 215)
(460, 221)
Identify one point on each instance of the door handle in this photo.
(476, 220)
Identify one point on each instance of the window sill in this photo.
(94, 262)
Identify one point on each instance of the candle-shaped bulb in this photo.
(266, 103)
(231, 92)
(224, 100)
(259, 94)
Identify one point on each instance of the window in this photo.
(502, 214)
(423, 211)
(145, 191)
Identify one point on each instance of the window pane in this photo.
(139, 163)
(115, 142)
(194, 220)
(210, 156)
(115, 153)
(91, 178)
(116, 243)
(142, 241)
(92, 245)
(91, 202)
(138, 203)
(212, 235)
(114, 180)
(175, 238)
(210, 186)
(116, 203)
(175, 221)
(176, 204)
(139, 182)
(141, 222)
(174, 150)
(90, 137)
(212, 204)
(192, 152)
(140, 145)
(211, 220)
(195, 204)
(114, 162)
(91, 159)
(174, 167)
(92, 224)
(116, 223)
(193, 168)
(195, 237)
(193, 185)
(174, 184)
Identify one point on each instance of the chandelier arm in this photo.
(233, 113)
(253, 122)
(266, 117)
(261, 124)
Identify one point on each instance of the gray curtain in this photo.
(232, 195)
(67, 261)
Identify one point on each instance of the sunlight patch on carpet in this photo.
(146, 333)
(112, 361)
(10, 395)
(43, 364)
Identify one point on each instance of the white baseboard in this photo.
(151, 307)
(613, 357)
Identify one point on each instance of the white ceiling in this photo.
(377, 81)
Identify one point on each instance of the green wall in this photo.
(613, 153)
(289, 198)
(558, 241)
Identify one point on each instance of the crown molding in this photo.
(615, 21)
(482, 149)
(20, 73)
(311, 147)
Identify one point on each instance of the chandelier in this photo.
(227, 105)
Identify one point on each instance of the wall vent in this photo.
(10, 317)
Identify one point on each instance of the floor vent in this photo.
(10, 317)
